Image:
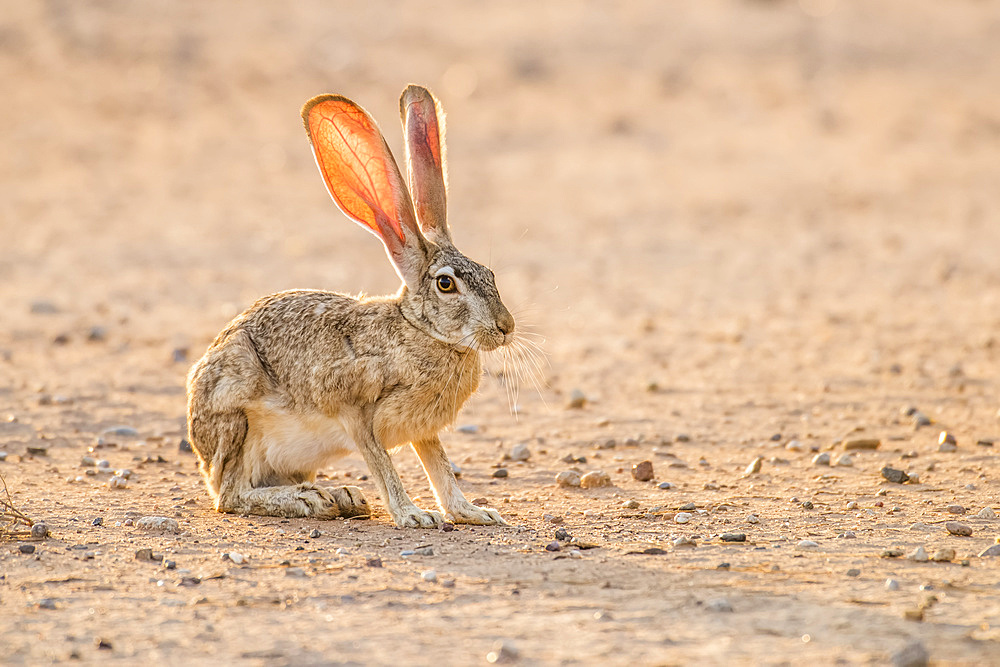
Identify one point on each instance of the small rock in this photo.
(990, 552)
(568, 478)
(47, 603)
(500, 473)
(553, 546)
(147, 555)
(753, 518)
(943, 555)
(807, 505)
(945, 436)
(502, 651)
(947, 447)
(468, 429)
(687, 507)
(642, 471)
(958, 528)
(845, 460)
(665, 485)
(795, 446)
(595, 479)
(862, 443)
(918, 555)
(630, 505)
(684, 542)
(914, 478)
(424, 551)
(314, 533)
(822, 459)
(26, 548)
(721, 605)
(891, 585)
(124, 473)
(520, 452)
(160, 524)
(40, 530)
(121, 432)
(914, 654)
(920, 419)
(683, 517)
(847, 535)
(429, 576)
(170, 565)
(733, 537)
(98, 521)
(919, 526)
(754, 466)
(807, 544)
(374, 561)
(984, 443)
(561, 534)
(851, 505)
(88, 462)
(955, 509)
(893, 475)
(185, 446)
(891, 553)
(854, 572)
(987, 513)
(117, 482)
(683, 437)
(38, 451)
(577, 400)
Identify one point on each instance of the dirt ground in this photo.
(744, 229)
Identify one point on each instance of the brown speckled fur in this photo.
(303, 377)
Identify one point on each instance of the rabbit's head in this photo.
(445, 294)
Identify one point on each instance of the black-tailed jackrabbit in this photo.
(303, 377)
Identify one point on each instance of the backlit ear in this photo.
(423, 127)
(363, 179)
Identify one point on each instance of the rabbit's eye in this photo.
(447, 284)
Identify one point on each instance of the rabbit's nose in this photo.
(505, 323)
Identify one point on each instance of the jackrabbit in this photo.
(303, 377)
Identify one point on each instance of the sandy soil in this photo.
(736, 224)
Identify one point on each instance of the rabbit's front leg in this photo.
(402, 509)
(450, 498)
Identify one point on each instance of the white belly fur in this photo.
(293, 442)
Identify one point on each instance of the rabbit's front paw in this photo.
(414, 517)
(480, 516)
(350, 501)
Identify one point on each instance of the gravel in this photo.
(958, 528)
(568, 478)
(595, 479)
(642, 471)
(159, 524)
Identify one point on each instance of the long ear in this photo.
(363, 179)
(423, 127)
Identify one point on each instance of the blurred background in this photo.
(668, 190)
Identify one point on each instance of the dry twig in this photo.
(12, 516)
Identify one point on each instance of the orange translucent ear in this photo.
(358, 167)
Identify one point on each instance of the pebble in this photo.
(684, 542)
(665, 485)
(568, 478)
(854, 572)
(503, 651)
(807, 544)
(914, 654)
(958, 528)
(687, 507)
(914, 478)
(753, 518)
(947, 447)
(683, 517)
(47, 603)
(943, 555)
(561, 534)
(38, 451)
(570, 458)
(754, 466)
(468, 429)
(891, 553)
(683, 437)
(429, 576)
(918, 555)
(117, 482)
(500, 473)
(595, 479)
(147, 555)
(920, 419)
(98, 521)
(40, 530)
(795, 446)
(807, 505)
(520, 452)
(160, 524)
(845, 460)
(893, 475)
(374, 561)
(990, 552)
(920, 526)
(891, 585)
(185, 446)
(104, 465)
(987, 513)
(577, 400)
(822, 459)
(424, 551)
(88, 462)
(733, 537)
(862, 443)
(721, 605)
(955, 509)
(852, 505)
(945, 436)
(847, 535)
(642, 471)
(314, 533)
(630, 505)
(26, 548)
(553, 546)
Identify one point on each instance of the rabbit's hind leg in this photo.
(304, 499)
